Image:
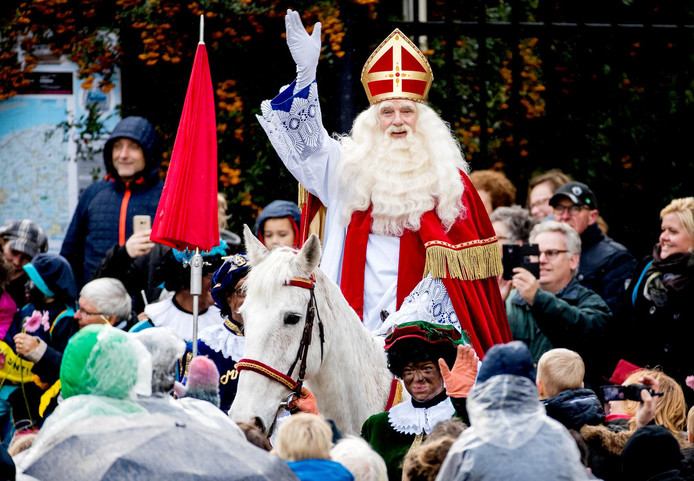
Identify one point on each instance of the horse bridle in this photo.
(302, 353)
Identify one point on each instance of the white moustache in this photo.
(393, 129)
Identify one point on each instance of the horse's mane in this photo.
(266, 278)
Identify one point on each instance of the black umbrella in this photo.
(151, 447)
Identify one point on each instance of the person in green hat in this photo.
(437, 368)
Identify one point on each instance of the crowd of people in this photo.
(565, 362)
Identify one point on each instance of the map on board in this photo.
(34, 163)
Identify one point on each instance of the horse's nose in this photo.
(259, 423)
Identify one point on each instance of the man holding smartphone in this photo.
(555, 310)
(105, 212)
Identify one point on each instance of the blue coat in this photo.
(320, 470)
(96, 224)
(95, 228)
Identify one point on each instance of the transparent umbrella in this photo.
(152, 447)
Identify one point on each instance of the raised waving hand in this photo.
(305, 48)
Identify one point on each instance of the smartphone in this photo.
(141, 223)
(631, 392)
(524, 256)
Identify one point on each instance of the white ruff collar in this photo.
(220, 339)
(407, 419)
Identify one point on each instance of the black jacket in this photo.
(137, 275)
(605, 267)
(575, 408)
(659, 333)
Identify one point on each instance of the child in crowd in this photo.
(560, 383)
(278, 224)
(304, 441)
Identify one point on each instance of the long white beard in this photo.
(396, 180)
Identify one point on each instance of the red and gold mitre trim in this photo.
(397, 69)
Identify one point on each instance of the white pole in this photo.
(202, 30)
(196, 291)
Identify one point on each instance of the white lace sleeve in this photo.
(295, 129)
(428, 301)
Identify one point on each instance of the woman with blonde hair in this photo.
(659, 308)
(671, 411)
(304, 441)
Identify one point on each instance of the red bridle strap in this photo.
(302, 282)
(267, 371)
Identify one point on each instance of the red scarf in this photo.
(466, 258)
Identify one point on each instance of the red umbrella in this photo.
(187, 212)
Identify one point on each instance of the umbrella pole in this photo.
(195, 290)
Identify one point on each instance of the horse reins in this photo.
(302, 353)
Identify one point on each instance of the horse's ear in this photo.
(256, 250)
(309, 257)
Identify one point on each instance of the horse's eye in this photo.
(291, 318)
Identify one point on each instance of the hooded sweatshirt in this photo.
(104, 214)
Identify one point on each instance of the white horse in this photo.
(347, 374)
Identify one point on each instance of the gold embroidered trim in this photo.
(251, 366)
(478, 259)
(184, 364)
(232, 327)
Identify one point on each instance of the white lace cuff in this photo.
(428, 301)
(295, 133)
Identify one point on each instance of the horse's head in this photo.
(278, 297)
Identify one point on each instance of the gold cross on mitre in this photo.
(397, 69)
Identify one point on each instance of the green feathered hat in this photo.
(418, 341)
(428, 332)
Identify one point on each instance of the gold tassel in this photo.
(470, 263)
(303, 196)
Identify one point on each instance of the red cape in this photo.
(466, 259)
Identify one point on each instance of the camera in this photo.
(631, 392)
(515, 255)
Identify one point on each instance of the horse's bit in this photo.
(302, 354)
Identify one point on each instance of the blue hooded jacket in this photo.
(104, 214)
(52, 275)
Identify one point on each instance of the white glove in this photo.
(305, 49)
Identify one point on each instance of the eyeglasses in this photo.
(573, 209)
(87, 313)
(540, 202)
(552, 254)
